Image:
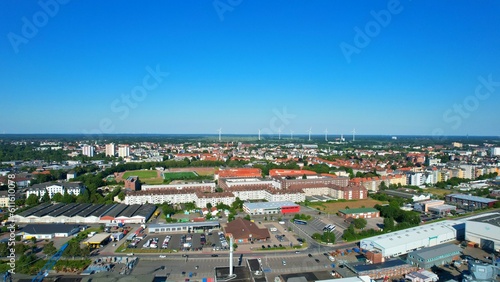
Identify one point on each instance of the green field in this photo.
(179, 175)
(143, 174)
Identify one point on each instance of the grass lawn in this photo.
(179, 175)
(143, 174)
(438, 192)
(334, 207)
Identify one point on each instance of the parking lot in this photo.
(181, 242)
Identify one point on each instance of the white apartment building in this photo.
(110, 150)
(88, 150)
(40, 189)
(123, 151)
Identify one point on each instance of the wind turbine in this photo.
(326, 135)
(259, 134)
(310, 129)
(353, 134)
(279, 133)
(220, 132)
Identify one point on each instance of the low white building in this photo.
(484, 230)
(404, 241)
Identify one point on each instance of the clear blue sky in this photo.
(236, 69)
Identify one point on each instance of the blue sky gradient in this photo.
(235, 70)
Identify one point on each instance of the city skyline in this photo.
(383, 68)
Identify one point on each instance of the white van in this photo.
(273, 229)
(281, 222)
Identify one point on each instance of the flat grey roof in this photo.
(435, 251)
(269, 205)
(472, 198)
(90, 209)
(185, 224)
(493, 219)
(49, 228)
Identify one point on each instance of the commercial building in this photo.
(286, 173)
(48, 231)
(470, 202)
(359, 213)
(98, 240)
(85, 213)
(421, 275)
(245, 231)
(271, 208)
(484, 230)
(404, 241)
(183, 227)
(390, 268)
(434, 256)
(442, 210)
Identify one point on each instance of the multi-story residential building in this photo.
(88, 150)
(495, 151)
(74, 188)
(124, 151)
(110, 150)
(469, 171)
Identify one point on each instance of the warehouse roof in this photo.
(48, 210)
(50, 228)
(130, 210)
(116, 210)
(493, 219)
(269, 205)
(359, 210)
(409, 235)
(472, 198)
(33, 210)
(435, 251)
(63, 209)
(102, 210)
(145, 210)
(77, 210)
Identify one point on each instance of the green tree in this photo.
(388, 224)
(49, 248)
(190, 206)
(32, 200)
(58, 198)
(360, 223)
(45, 197)
(247, 217)
(209, 206)
(121, 196)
